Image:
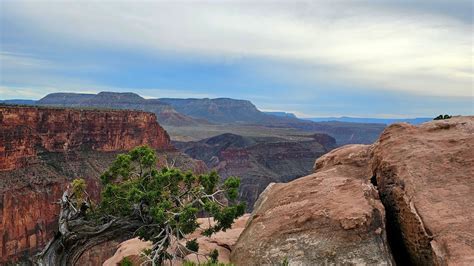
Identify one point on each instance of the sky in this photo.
(361, 58)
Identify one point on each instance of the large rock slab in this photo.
(222, 241)
(426, 178)
(331, 216)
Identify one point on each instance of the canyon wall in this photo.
(43, 149)
(26, 130)
(424, 177)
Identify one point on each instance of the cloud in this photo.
(384, 45)
(314, 57)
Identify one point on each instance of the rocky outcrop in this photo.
(330, 217)
(222, 241)
(424, 177)
(25, 131)
(27, 219)
(43, 149)
(99, 253)
(258, 161)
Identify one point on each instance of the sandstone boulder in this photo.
(222, 241)
(425, 175)
(331, 216)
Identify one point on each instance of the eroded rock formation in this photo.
(26, 130)
(425, 178)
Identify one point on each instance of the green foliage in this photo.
(285, 262)
(126, 262)
(192, 245)
(190, 263)
(214, 256)
(441, 117)
(167, 201)
(232, 185)
(78, 189)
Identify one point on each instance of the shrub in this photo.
(441, 117)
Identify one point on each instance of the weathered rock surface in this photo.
(222, 241)
(42, 149)
(425, 175)
(425, 179)
(331, 216)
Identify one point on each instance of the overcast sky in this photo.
(367, 58)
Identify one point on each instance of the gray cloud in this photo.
(423, 47)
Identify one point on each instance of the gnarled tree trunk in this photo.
(76, 235)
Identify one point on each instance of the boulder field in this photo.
(406, 199)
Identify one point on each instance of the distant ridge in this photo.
(387, 121)
(221, 110)
(282, 114)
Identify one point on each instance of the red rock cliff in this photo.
(26, 130)
(42, 149)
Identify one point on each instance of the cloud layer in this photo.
(422, 48)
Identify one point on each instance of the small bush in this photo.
(441, 117)
(190, 263)
(126, 262)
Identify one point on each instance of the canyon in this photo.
(43, 149)
(258, 161)
(404, 200)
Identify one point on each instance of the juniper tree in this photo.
(163, 204)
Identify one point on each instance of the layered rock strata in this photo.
(25, 131)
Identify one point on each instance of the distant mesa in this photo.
(387, 121)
